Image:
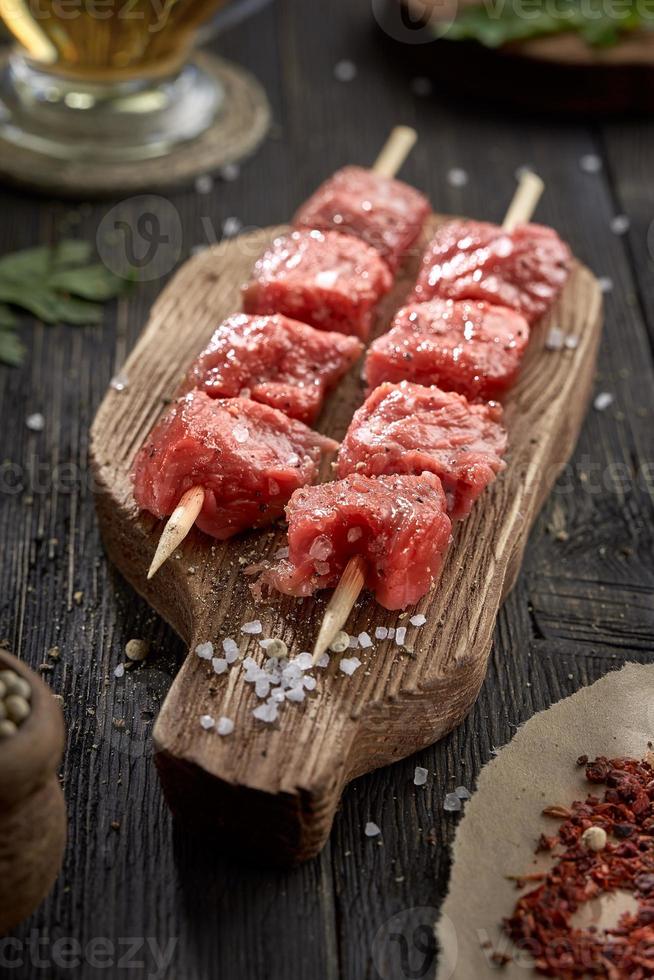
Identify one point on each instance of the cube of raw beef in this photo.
(398, 523)
(471, 347)
(274, 360)
(407, 428)
(329, 280)
(524, 269)
(248, 457)
(385, 213)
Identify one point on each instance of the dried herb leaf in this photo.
(12, 351)
(94, 282)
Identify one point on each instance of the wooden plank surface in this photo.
(582, 605)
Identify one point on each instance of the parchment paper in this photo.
(503, 820)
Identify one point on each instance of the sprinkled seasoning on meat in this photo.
(248, 457)
(407, 428)
(329, 280)
(387, 214)
(398, 523)
(471, 347)
(524, 269)
(276, 361)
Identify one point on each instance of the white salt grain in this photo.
(204, 184)
(451, 803)
(252, 628)
(391, 633)
(219, 665)
(400, 635)
(304, 661)
(249, 663)
(603, 400)
(230, 649)
(345, 71)
(35, 422)
(295, 694)
(310, 683)
(571, 342)
(262, 687)
(349, 664)
(381, 632)
(230, 171)
(420, 776)
(241, 434)
(364, 641)
(371, 829)
(555, 339)
(457, 177)
(207, 722)
(620, 224)
(323, 661)
(119, 671)
(266, 712)
(119, 382)
(277, 696)
(354, 534)
(224, 726)
(418, 620)
(205, 650)
(462, 792)
(605, 284)
(231, 227)
(590, 163)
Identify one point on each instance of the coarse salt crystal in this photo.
(605, 284)
(35, 422)
(219, 665)
(381, 632)
(119, 671)
(224, 726)
(230, 171)
(204, 184)
(349, 664)
(281, 553)
(231, 227)
(571, 342)
(590, 163)
(262, 687)
(620, 224)
(457, 177)
(327, 278)
(310, 683)
(400, 635)
(451, 803)
(266, 712)
(555, 339)
(252, 628)
(462, 792)
(277, 696)
(323, 661)
(371, 829)
(249, 663)
(230, 649)
(295, 694)
(304, 661)
(345, 71)
(205, 650)
(391, 633)
(321, 567)
(420, 776)
(321, 548)
(207, 722)
(353, 642)
(292, 674)
(418, 620)
(603, 400)
(241, 433)
(354, 534)
(364, 641)
(119, 382)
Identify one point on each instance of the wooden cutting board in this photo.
(272, 791)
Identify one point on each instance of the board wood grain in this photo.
(274, 790)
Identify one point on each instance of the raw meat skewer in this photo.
(346, 593)
(392, 156)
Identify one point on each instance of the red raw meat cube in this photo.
(329, 280)
(407, 428)
(524, 269)
(470, 347)
(398, 523)
(385, 213)
(274, 360)
(248, 457)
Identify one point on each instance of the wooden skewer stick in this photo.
(395, 150)
(347, 591)
(177, 527)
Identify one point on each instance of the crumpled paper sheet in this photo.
(503, 820)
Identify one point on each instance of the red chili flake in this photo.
(541, 923)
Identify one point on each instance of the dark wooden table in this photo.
(132, 887)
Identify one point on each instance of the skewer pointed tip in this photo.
(340, 605)
(525, 200)
(399, 144)
(177, 527)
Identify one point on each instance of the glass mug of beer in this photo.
(109, 80)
